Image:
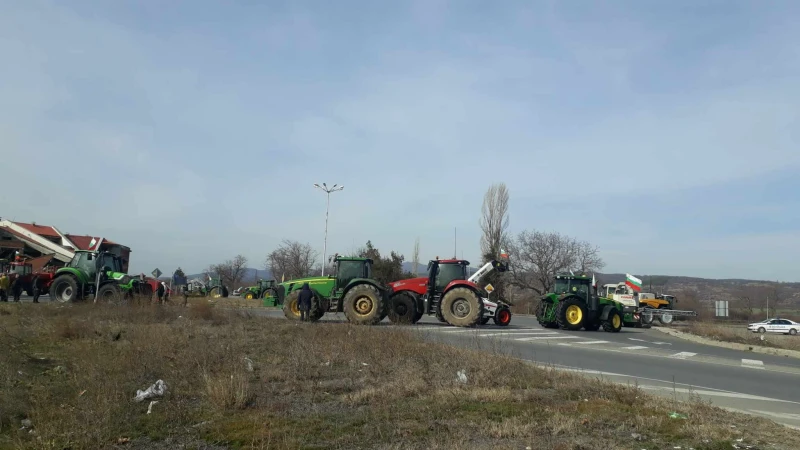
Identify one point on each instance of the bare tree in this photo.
(539, 256)
(494, 220)
(291, 260)
(231, 271)
(415, 257)
(494, 226)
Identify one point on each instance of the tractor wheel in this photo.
(403, 309)
(647, 315)
(665, 318)
(110, 293)
(363, 305)
(215, 292)
(484, 320)
(592, 326)
(224, 292)
(317, 310)
(65, 289)
(290, 306)
(462, 307)
(571, 314)
(503, 317)
(440, 317)
(614, 322)
(418, 312)
(248, 296)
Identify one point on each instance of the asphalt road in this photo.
(753, 383)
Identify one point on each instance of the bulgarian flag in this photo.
(633, 282)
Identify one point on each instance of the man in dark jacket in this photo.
(304, 301)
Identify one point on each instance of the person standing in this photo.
(304, 302)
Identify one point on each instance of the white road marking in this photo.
(662, 343)
(511, 334)
(634, 339)
(590, 342)
(753, 364)
(545, 337)
(683, 355)
(635, 347)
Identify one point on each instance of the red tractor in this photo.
(24, 277)
(449, 294)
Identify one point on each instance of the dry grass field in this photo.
(69, 373)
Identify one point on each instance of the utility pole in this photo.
(327, 190)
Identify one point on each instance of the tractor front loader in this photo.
(350, 289)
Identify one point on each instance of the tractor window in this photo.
(84, 262)
(348, 270)
(562, 286)
(448, 273)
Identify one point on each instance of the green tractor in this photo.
(261, 290)
(350, 289)
(575, 304)
(95, 273)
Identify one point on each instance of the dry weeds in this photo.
(236, 380)
(739, 334)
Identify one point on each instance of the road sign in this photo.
(156, 273)
(721, 308)
(489, 288)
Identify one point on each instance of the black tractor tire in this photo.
(614, 321)
(290, 306)
(592, 326)
(29, 291)
(462, 307)
(484, 320)
(571, 314)
(647, 319)
(402, 309)
(318, 308)
(224, 292)
(420, 311)
(364, 305)
(440, 317)
(110, 293)
(65, 289)
(540, 311)
(502, 317)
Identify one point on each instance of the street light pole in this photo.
(327, 190)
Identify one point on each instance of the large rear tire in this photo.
(462, 307)
(65, 289)
(614, 321)
(571, 314)
(540, 314)
(290, 307)
(665, 318)
(403, 309)
(647, 315)
(363, 305)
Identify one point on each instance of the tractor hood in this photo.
(310, 280)
(418, 285)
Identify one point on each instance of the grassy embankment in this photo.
(68, 375)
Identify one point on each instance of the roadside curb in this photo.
(730, 345)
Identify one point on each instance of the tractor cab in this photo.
(20, 269)
(443, 272)
(265, 285)
(575, 285)
(348, 269)
(90, 262)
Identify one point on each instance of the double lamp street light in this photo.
(327, 190)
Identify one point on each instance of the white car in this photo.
(782, 326)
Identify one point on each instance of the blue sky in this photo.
(664, 132)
